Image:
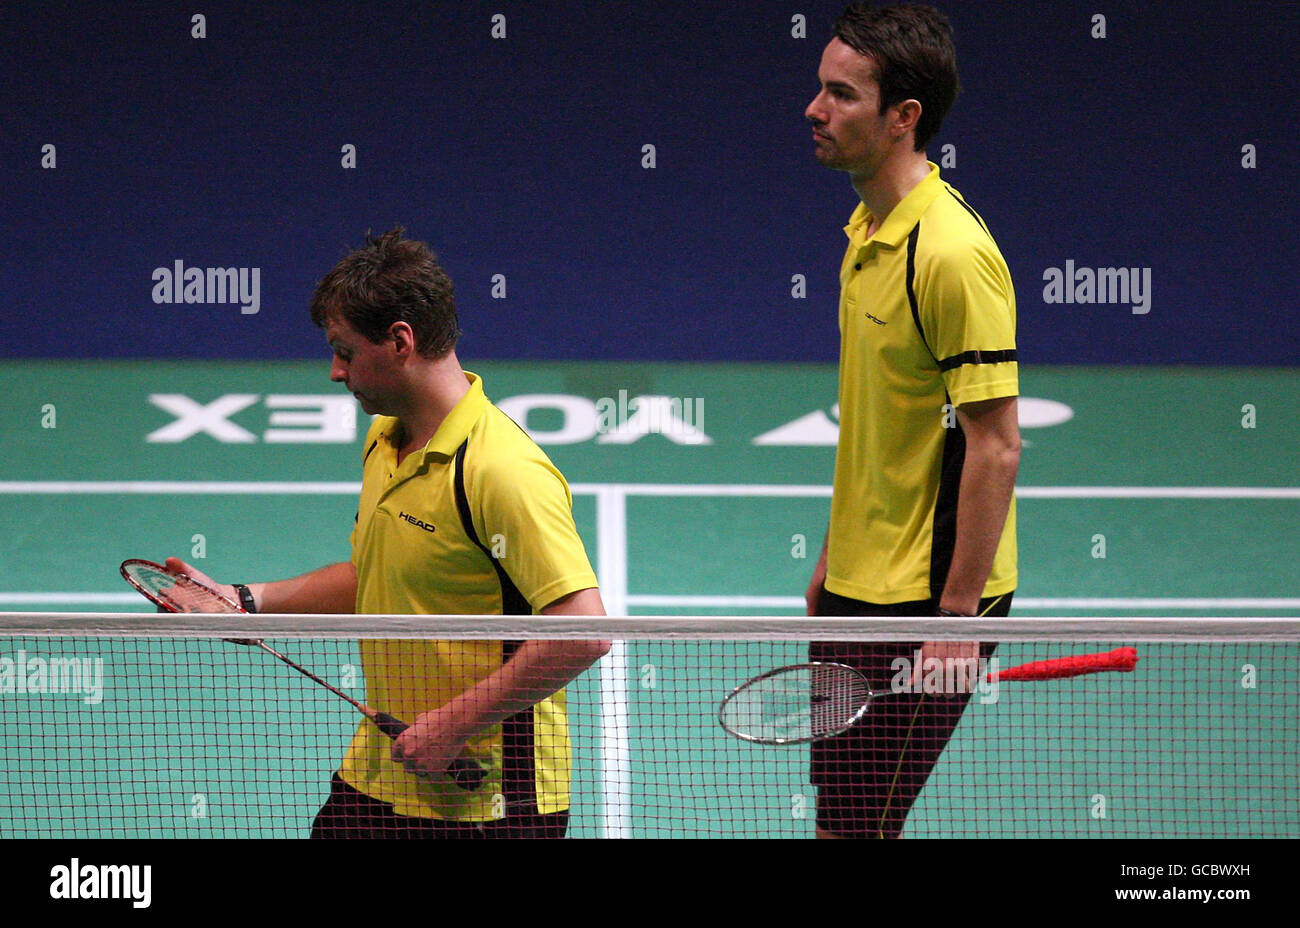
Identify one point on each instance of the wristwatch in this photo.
(948, 613)
(245, 597)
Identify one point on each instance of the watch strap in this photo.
(246, 598)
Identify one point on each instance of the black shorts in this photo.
(868, 777)
(348, 813)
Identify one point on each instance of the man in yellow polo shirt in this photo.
(922, 508)
(460, 513)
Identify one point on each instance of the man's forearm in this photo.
(539, 668)
(535, 671)
(332, 588)
(987, 484)
(813, 593)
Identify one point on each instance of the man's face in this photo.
(368, 370)
(849, 131)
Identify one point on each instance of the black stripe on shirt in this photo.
(943, 528)
(512, 601)
(518, 770)
(911, 288)
(977, 357)
(966, 206)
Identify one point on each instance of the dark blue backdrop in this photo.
(522, 157)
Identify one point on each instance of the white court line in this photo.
(607, 585)
(1155, 603)
(716, 602)
(615, 743)
(1158, 492)
(1028, 602)
(607, 591)
(350, 488)
(182, 487)
(796, 490)
(46, 598)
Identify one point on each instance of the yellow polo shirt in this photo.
(927, 321)
(415, 554)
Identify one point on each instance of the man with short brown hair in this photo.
(922, 510)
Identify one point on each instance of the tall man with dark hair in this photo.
(922, 510)
(460, 513)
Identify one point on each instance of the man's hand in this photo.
(535, 671)
(958, 663)
(177, 566)
(433, 741)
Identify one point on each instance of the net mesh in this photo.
(164, 730)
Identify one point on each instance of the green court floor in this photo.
(1148, 492)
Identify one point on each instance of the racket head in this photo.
(797, 703)
(175, 592)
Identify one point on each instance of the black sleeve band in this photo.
(977, 357)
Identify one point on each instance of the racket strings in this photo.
(194, 599)
(797, 704)
(179, 592)
(836, 696)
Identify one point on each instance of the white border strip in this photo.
(1154, 602)
(1026, 602)
(351, 488)
(615, 734)
(1158, 492)
(181, 487)
(740, 628)
(674, 600)
(682, 601)
(37, 599)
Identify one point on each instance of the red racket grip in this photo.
(464, 772)
(1121, 659)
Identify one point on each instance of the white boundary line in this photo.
(182, 487)
(1155, 602)
(38, 599)
(345, 488)
(615, 744)
(607, 585)
(1158, 492)
(1028, 602)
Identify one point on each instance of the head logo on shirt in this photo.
(418, 523)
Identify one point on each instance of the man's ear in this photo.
(909, 114)
(403, 338)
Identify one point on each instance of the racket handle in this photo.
(389, 725)
(1121, 659)
(464, 772)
